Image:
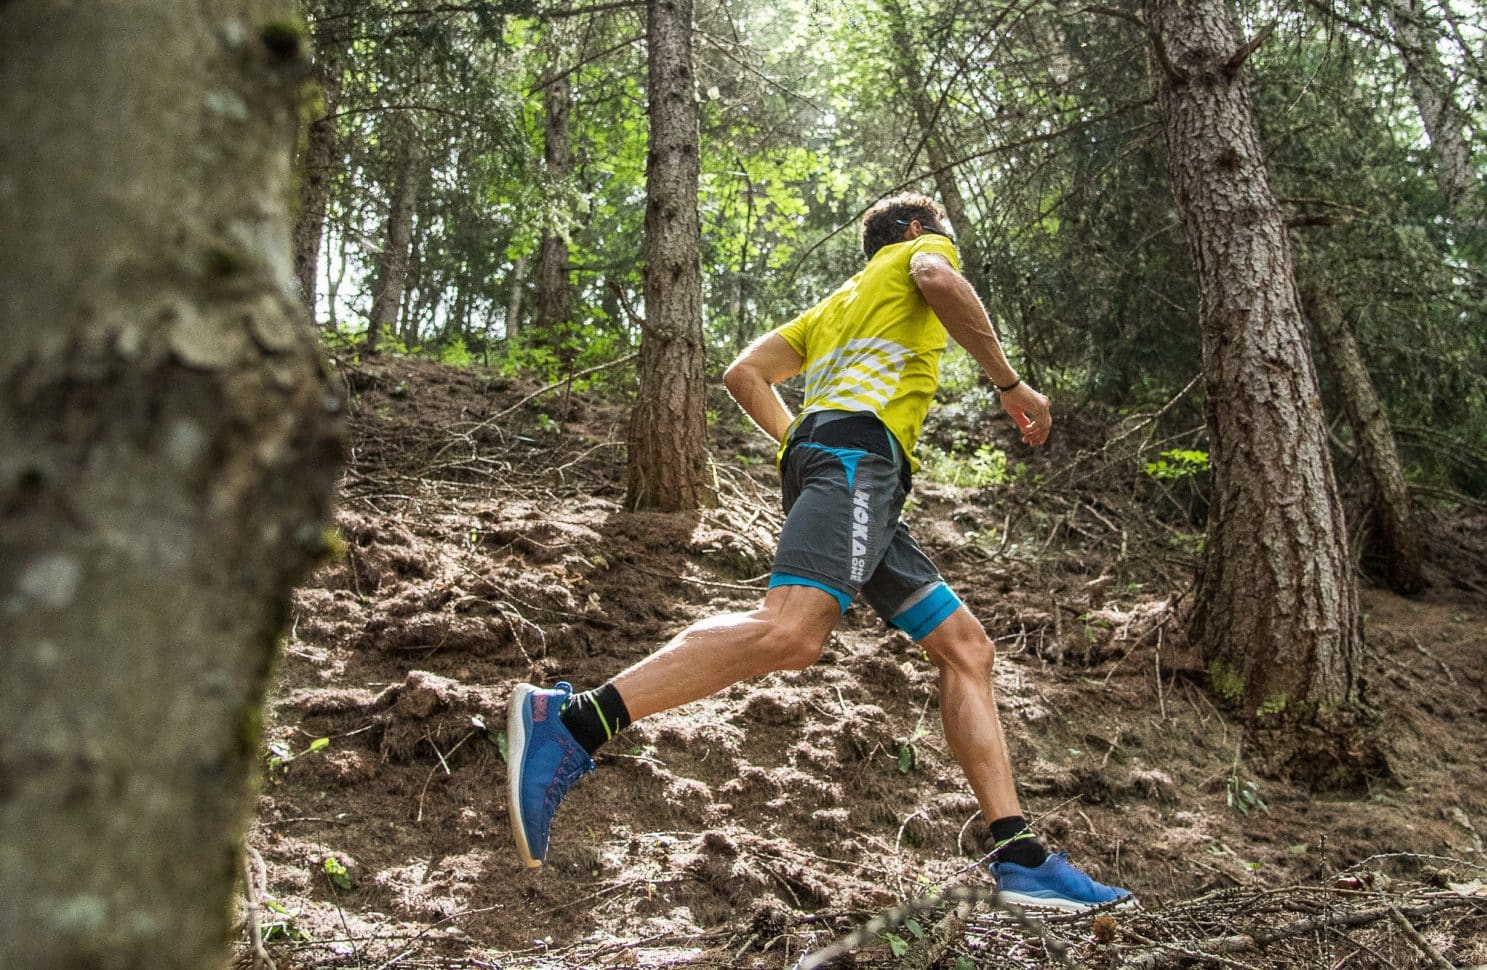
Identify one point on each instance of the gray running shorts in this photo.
(844, 486)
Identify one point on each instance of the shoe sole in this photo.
(516, 749)
(1063, 905)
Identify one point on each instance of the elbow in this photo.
(936, 281)
(736, 377)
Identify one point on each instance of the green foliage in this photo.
(335, 870)
(279, 755)
(908, 757)
(1178, 463)
(984, 467)
(1243, 794)
(808, 113)
(283, 926)
(455, 353)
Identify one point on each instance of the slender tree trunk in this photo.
(1377, 452)
(333, 281)
(392, 263)
(1275, 610)
(743, 326)
(167, 452)
(317, 165)
(1443, 120)
(972, 259)
(514, 298)
(552, 297)
(459, 314)
(416, 296)
(668, 468)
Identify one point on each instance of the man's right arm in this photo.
(752, 377)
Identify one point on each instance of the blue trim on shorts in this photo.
(849, 457)
(785, 579)
(920, 620)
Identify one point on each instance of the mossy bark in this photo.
(318, 162)
(168, 445)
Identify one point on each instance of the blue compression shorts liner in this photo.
(785, 579)
(920, 620)
(849, 457)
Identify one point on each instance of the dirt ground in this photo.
(484, 546)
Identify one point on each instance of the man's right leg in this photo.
(785, 633)
(544, 729)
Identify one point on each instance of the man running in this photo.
(870, 353)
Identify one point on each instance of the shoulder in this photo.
(933, 245)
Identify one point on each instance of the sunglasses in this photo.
(927, 227)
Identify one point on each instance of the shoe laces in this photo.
(574, 765)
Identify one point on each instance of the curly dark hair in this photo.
(884, 223)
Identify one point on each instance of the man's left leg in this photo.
(965, 655)
(1025, 872)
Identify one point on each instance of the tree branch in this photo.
(1159, 47)
(997, 149)
(1116, 12)
(1232, 65)
(553, 387)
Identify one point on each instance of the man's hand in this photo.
(1029, 410)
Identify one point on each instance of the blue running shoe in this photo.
(543, 762)
(1056, 884)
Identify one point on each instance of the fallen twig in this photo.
(254, 877)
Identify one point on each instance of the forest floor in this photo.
(485, 543)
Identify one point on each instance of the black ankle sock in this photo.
(595, 716)
(1016, 842)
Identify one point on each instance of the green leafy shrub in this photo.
(986, 466)
(1178, 463)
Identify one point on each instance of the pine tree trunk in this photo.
(167, 452)
(316, 166)
(1275, 612)
(552, 297)
(1377, 452)
(392, 263)
(1444, 122)
(668, 468)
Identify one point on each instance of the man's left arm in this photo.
(955, 303)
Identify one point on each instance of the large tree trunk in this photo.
(167, 451)
(1377, 452)
(938, 148)
(1275, 610)
(1443, 120)
(317, 164)
(552, 297)
(392, 263)
(668, 468)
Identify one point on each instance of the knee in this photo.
(961, 643)
(794, 647)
